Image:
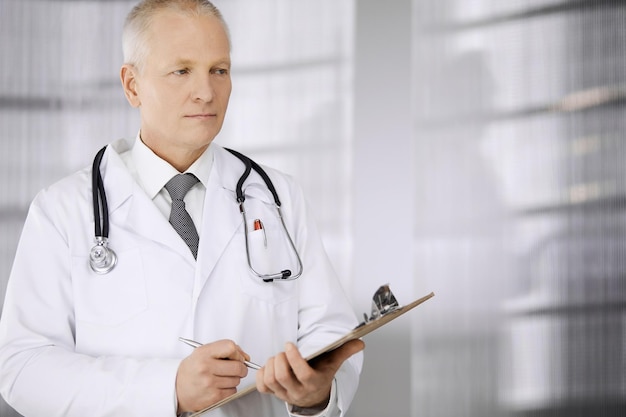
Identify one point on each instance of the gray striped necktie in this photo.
(180, 219)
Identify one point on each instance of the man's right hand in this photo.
(211, 373)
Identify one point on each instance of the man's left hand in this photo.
(292, 379)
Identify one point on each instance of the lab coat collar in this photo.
(118, 183)
(131, 205)
(230, 169)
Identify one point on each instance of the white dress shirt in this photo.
(152, 173)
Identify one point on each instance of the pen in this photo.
(258, 225)
(195, 344)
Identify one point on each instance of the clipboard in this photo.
(384, 309)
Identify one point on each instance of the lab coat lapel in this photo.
(128, 201)
(221, 217)
(146, 220)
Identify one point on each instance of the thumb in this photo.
(349, 348)
(337, 356)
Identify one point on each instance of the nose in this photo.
(203, 88)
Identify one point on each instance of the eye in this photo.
(220, 71)
(181, 71)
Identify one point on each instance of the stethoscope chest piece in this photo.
(102, 259)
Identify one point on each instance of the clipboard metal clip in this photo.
(383, 302)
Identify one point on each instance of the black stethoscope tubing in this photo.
(103, 259)
(250, 164)
(101, 209)
(286, 274)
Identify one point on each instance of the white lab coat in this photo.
(73, 343)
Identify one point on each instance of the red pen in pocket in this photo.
(258, 225)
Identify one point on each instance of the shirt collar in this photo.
(154, 172)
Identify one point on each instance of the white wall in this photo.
(383, 178)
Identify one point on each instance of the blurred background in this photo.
(474, 148)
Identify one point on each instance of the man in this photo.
(76, 343)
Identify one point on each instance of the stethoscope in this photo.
(102, 259)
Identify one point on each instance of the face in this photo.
(183, 87)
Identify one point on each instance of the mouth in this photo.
(200, 116)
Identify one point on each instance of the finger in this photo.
(228, 367)
(348, 349)
(246, 357)
(273, 369)
(299, 366)
(227, 382)
(220, 394)
(260, 385)
(336, 357)
(227, 349)
(197, 386)
(283, 372)
(263, 374)
(223, 349)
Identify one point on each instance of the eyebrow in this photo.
(188, 62)
(183, 62)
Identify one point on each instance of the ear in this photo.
(128, 76)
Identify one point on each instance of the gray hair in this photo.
(138, 21)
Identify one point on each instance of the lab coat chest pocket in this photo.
(270, 252)
(113, 298)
